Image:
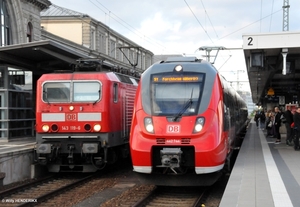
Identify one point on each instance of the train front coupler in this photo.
(71, 149)
(170, 158)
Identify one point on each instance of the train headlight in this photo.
(149, 124)
(198, 125)
(45, 128)
(97, 127)
(178, 68)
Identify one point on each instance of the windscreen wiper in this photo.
(185, 107)
(98, 98)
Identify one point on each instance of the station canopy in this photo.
(273, 65)
(40, 56)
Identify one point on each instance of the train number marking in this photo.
(74, 127)
(173, 128)
(71, 117)
(173, 141)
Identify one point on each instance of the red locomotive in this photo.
(185, 122)
(83, 119)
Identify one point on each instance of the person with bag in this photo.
(297, 128)
(270, 125)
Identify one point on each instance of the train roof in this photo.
(191, 64)
(109, 75)
(194, 65)
(182, 59)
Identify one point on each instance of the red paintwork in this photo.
(211, 144)
(111, 112)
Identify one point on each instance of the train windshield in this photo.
(178, 94)
(65, 92)
(56, 92)
(86, 91)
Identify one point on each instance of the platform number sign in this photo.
(250, 41)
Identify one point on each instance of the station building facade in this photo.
(37, 37)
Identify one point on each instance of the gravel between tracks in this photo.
(125, 198)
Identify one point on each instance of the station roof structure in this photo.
(273, 65)
(40, 56)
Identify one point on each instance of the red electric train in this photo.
(185, 123)
(83, 119)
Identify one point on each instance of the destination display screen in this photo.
(181, 78)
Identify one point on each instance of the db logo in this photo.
(173, 129)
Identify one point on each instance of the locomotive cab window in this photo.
(86, 91)
(176, 94)
(56, 92)
(65, 92)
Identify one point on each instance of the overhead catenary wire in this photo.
(271, 15)
(154, 42)
(248, 25)
(198, 21)
(128, 26)
(206, 13)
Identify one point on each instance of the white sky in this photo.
(183, 26)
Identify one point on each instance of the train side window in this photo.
(115, 88)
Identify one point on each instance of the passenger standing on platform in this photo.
(289, 120)
(277, 124)
(262, 118)
(256, 118)
(297, 128)
(270, 125)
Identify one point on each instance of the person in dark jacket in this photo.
(270, 126)
(277, 124)
(297, 128)
(256, 118)
(289, 120)
(262, 118)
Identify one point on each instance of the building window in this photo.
(93, 38)
(102, 43)
(119, 53)
(113, 49)
(4, 21)
(29, 32)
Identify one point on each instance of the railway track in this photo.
(37, 192)
(169, 196)
(153, 196)
(111, 188)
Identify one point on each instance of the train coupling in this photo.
(171, 158)
(70, 156)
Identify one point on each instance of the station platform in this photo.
(18, 145)
(16, 159)
(264, 174)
